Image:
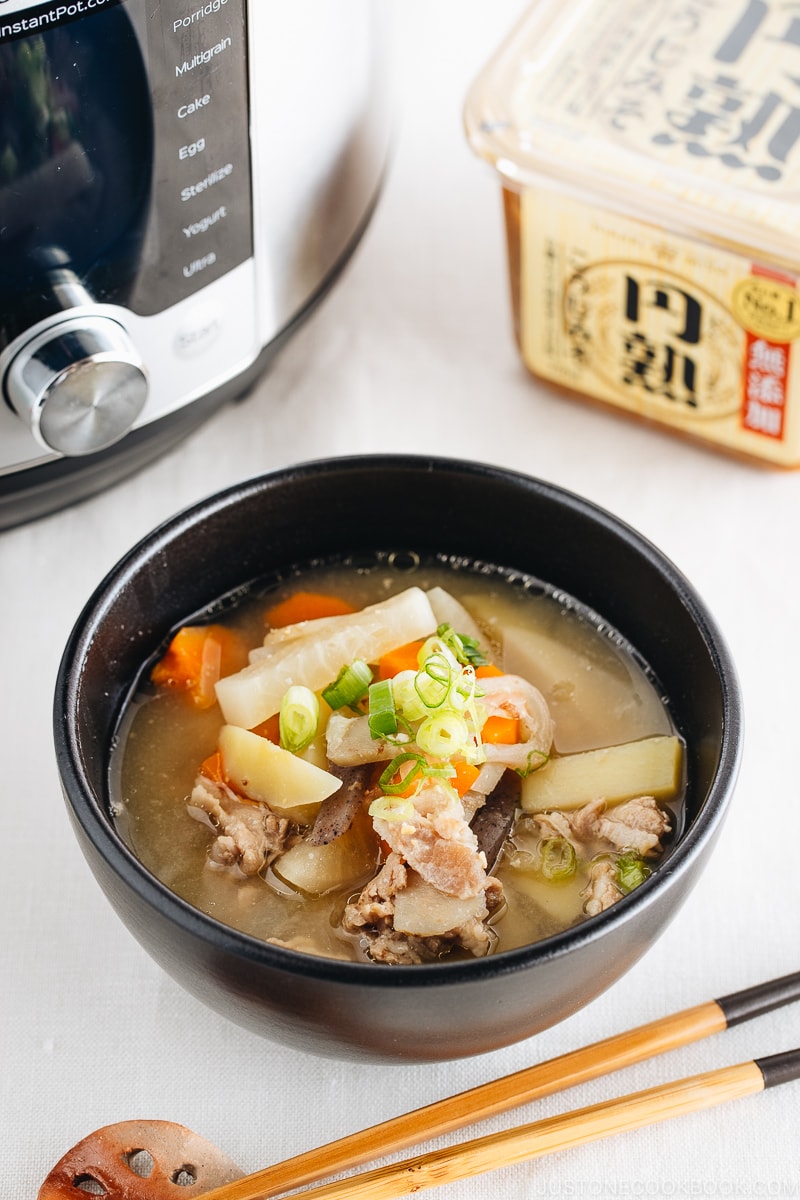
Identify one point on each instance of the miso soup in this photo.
(398, 761)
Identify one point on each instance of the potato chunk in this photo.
(420, 909)
(651, 767)
(347, 860)
(261, 770)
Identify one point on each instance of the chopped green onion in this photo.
(557, 859)
(298, 718)
(443, 734)
(387, 780)
(445, 771)
(462, 693)
(466, 649)
(631, 871)
(349, 685)
(382, 717)
(433, 680)
(536, 759)
(393, 808)
(407, 702)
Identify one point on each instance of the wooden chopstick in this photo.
(561, 1132)
(521, 1087)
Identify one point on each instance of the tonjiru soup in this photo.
(398, 761)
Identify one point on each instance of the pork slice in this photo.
(636, 825)
(512, 696)
(248, 835)
(372, 915)
(556, 824)
(601, 891)
(376, 901)
(437, 842)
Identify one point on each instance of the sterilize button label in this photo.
(214, 177)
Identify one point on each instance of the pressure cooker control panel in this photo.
(127, 277)
(201, 182)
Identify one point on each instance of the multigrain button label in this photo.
(205, 56)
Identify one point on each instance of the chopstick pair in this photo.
(544, 1136)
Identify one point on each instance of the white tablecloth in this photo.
(412, 351)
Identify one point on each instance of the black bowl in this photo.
(362, 504)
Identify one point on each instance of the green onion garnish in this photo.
(408, 704)
(631, 871)
(392, 808)
(349, 685)
(443, 734)
(466, 649)
(557, 858)
(535, 760)
(387, 782)
(298, 718)
(382, 714)
(433, 680)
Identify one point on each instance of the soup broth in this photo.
(558, 862)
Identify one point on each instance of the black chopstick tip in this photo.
(763, 998)
(779, 1068)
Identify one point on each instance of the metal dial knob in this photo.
(80, 385)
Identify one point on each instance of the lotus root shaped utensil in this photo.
(139, 1160)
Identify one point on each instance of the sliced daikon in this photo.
(449, 611)
(346, 861)
(650, 767)
(350, 742)
(421, 910)
(254, 694)
(263, 771)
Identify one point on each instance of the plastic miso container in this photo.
(649, 156)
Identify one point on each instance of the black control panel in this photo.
(124, 154)
(201, 222)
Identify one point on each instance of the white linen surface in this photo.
(412, 352)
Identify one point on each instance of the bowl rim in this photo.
(97, 825)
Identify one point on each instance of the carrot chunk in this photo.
(306, 606)
(500, 731)
(196, 658)
(270, 729)
(402, 658)
(212, 768)
(487, 671)
(466, 774)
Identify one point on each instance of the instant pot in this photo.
(180, 180)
